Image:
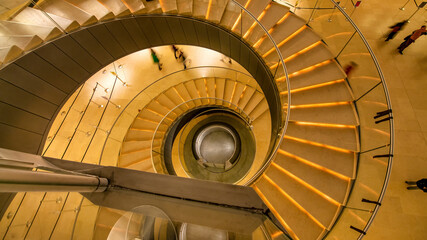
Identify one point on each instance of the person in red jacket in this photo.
(395, 29)
(411, 38)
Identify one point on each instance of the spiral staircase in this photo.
(310, 176)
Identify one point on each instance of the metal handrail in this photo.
(247, 119)
(286, 121)
(387, 96)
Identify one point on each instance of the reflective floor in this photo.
(403, 214)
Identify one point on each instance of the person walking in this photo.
(156, 59)
(184, 59)
(421, 184)
(411, 38)
(176, 51)
(395, 29)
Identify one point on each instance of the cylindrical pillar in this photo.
(14, 180)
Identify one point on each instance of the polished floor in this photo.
(403, 214)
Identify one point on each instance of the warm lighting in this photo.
(259, 19)
(318, 144)
(319, 105)
(284, 41)
(316, 86)
(283, 18)
(306, 184)
(324, 125)
(302, 51)
(275, 213)
(293, 201)
(208, 11)
(309, 68)
(315, 165)
(135, 151)
(240, 16)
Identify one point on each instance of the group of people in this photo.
(178, 53)
(408, 40)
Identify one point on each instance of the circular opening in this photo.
(216, 144)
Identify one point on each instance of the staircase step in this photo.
(132, 158)
(169, 6)
(118, 8)
(139, 135)
(219, 88)
(192, 90)
(336, 92)
(25, 43)
(260, 109)
(183, 93)
(135, 6)
(216, 10)
(238, 90)
(184, 6)
(246, 21)
(297, 43)
(93, 7)
(9, 28)
(329, 184)
(132, 146)
(210, 87)
(281, 32)
(37, 17)
(344, 138)
(174, 96)
(318, 54)
(201, 89)
(326, 72)
(335, 114)
(339, 162)
(228, 90)
(246, 96)
(153, 6)
(272, 15)
(230, 16)
(317, 204)
(256, 98)
(293, 218)
(146, 166)
(200, 8)
(67, 10)
(8, 54)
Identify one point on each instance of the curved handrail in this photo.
(387, 96)
(247, 119)
(286, 121)
(151, 84)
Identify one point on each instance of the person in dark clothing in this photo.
(395, 29)
(421, 184)
(156, 59)
(184, 59)
(176, 51)
(411, 38)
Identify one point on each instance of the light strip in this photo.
(318, 144)
(330, 104)
(294, 202)
(209, 9)
(316, 86)
(284, 41)
(315, 165)
(306, 184)
(331, 125)
(279, 218)
(259, 19)
(240, 16)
